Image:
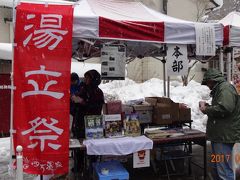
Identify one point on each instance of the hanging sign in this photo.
(113, 61)
(42, 59)
(141, 159)
(205, 39)
(177, 61)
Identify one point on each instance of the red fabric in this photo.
(149, 31)
(5, 103)
(226, 35)
(41, 72)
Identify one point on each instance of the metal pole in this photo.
(233, 63)
(229, 66)
(221, 66)
(10, 168)
(164, 76)
(168, 87)
(19, 163)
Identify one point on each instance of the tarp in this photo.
(130, 20)
(231, 24)
(126, 20)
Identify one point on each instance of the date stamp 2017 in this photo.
(219, 158)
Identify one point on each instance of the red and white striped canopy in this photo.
(130, 20)
(231, 24)
(124, 20)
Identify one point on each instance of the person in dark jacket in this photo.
(223, 125)
(90, 100)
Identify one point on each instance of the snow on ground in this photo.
(4, 149)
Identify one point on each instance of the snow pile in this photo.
(190, 95)
(4, 149)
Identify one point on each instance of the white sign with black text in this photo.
(205, 40)
(113, 58)
(177, 61)
(141, 159)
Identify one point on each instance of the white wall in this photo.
(5, 66)
(153, 4)
(4, 27)
(186, 9)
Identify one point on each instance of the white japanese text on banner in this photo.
(42, 59)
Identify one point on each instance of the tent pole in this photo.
(164, 76)
(221, 60)
(168, 87)
(233, 63)
(229, 65)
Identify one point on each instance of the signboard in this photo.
(42, 60)
(141, 159)
(113, 61)
(205, 39)
(177, 61)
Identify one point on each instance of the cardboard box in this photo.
(127, 109)
(145, 116)
(143, 107)
(162, 115)
(151, 100)
(112, 107)
(144, 113)
(185, 114)
(165, 111)
(162, 100)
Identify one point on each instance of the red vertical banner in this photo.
(42, 60)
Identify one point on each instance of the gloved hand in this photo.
(77, 99)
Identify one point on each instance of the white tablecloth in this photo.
(117, 146)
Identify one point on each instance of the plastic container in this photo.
(110, 170)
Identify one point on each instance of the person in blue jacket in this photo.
(74, 91)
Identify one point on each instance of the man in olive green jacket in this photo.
(223, 125)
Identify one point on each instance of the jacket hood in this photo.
(214, 75)
(95, 77)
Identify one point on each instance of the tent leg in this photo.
(233, 62)
(164, 77)
(168, 87)
(229, 66)
(221, 60)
